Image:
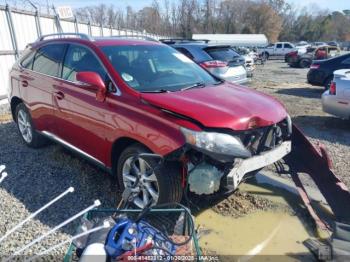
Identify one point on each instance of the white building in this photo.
(234, 39)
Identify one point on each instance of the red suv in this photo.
(113, 99)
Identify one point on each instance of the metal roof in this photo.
(234, 39)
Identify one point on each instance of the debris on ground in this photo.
(243, 203)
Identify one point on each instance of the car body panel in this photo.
(223, 106)
(326, 68)
(338, 104)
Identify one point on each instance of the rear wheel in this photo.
(26, 128)
(304, 63)
(152, 185)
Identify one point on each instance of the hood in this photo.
(223, 106)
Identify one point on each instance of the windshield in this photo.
(156, 68)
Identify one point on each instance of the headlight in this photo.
(217, 143)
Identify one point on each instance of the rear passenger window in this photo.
(279, 46)
(27, 62)
(287, 46)
(81, 59)
(48, 59)
(185, 52)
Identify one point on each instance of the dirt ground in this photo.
(303, 102)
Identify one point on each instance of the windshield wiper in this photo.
(155, 91)
(199, 84)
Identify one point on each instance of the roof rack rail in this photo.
(62, 35)
(182, 40)
(140, 37)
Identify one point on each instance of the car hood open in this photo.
(223, 106)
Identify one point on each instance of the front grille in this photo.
(267, 138)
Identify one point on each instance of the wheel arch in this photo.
(15, 101)
(119, 145)
(329, 77)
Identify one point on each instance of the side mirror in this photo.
(95, 81)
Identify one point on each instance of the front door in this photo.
(81, 118)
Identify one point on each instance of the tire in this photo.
(327, 82)
(26, 128)
(304, 63)
(266, 55)
(165, 180)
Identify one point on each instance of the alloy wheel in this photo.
(140, 177)
(24, 125)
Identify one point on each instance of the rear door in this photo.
(81, 118)
(38, 76)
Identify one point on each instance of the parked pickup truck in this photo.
(277, 49)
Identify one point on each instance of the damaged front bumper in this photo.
(244, 166)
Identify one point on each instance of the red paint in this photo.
(93, 125)
(96, 83)
(225, 106)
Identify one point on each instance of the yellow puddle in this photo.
(263, 233)
(260, 233)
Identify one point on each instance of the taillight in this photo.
(213, 64)
(333, 88)
(314, 66)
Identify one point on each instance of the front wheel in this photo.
(152, 185)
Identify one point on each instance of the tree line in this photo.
(277, 19)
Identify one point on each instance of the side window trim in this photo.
(117, 92)
(30, 53)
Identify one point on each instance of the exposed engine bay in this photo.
(208, 171)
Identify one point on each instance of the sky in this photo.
(333, 5)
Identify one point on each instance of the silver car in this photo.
(219, 60)
(336, 100)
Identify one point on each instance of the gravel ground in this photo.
(242, 203)
(37, 176)
(34, 178)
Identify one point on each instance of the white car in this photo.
(302, 47)
(336, 100)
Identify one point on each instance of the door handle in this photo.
(25, 77)
(24, 83)
(59, 95)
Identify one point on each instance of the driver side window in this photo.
(81, 59)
